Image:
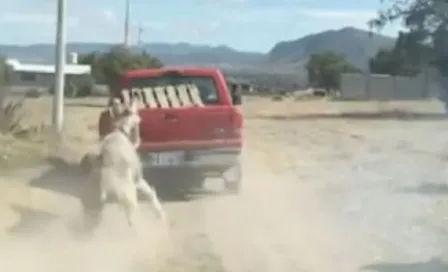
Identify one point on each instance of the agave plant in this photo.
(11, 111)
(12, 116)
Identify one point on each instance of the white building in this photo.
(42, 76)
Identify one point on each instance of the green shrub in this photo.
(84, 85)
(70, 89)
(277, 97)
(33, 93)
(77, 86)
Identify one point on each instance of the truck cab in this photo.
(191, 123)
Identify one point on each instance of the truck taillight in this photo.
(236, 118)
(237, 132)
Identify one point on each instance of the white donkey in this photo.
(118, 165)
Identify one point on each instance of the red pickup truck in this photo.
(191, 125)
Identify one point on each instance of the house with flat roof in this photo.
(42, 76)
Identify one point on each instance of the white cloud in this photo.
(260, 22)
(26, 18)
(356, 18)
(109, 15)
(223, 3)
(180, 30)
(256, 16)
(33, 18)
(281, 23)
(235, 1)
(155, 25)
(97, 23)
(338, 14)
(254, 4)
(290, 15)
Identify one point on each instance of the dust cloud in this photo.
(49, 243)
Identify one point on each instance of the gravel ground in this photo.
(320, 193)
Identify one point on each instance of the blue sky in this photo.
(252, 25)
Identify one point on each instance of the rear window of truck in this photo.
(208, 91)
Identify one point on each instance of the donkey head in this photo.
(126, 119)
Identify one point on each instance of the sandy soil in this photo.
(322, 192)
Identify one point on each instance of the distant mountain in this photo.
(171, 54)
(222, 56)
(286, 57)
(357, 45)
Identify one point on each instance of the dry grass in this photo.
(81, 117)
(33, 149)
(20, 152)
(290, 107)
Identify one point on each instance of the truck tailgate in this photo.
(218, 125)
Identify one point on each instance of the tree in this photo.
(403, 59)
(94, 60)
(107, 67)
(325, 69)
(427, 24)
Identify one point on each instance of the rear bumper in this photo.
(230, 144)
(204, 159)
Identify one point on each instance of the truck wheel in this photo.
(197, 180)
(232, 182)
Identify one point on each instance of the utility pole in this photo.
(139, 35)
(58, 96)
(126, 22)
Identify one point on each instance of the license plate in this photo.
(171, 158)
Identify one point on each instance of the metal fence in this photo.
(385, 87)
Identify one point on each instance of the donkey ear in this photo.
(115, 107)
(133, 105)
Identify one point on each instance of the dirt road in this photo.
(320, 194)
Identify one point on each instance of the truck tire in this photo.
(233, 184)
(197, 180)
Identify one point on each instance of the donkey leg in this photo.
(104, 186)
(92, 203)
(129, 202)
(103, 195)
(151, 194)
